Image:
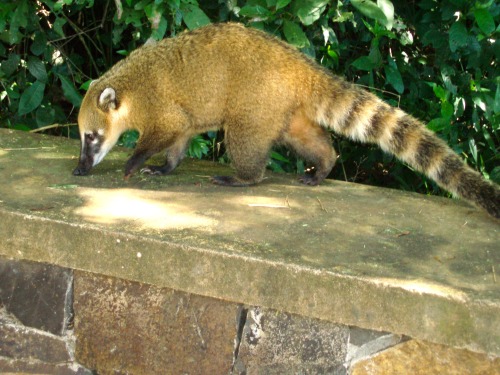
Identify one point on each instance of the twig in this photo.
(321, 205)
(381, 90)
(266, 205)
(401, 232)
(341, 161)
(119, 9)
(71, 37)
(405, 233)
(53, 126)
(85, 46)
(27, 148)
(287, 202)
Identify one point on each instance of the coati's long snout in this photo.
(91, 145)
(94, 149)
(99, 127)
(262, 92)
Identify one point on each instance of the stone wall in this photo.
(61, 321)
(174, 275)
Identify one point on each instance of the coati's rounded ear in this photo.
(107, 99)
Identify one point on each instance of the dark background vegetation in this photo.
(437, 60)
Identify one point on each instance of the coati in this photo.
(262, 92)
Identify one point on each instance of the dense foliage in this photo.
(436, 59)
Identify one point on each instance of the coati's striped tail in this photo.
(360, 115)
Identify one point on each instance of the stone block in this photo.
(37, 294)
(364, 343)
(128, 327)
(423, 358)
(20, 342)
(10, 366)
(25, 350)
(279, 343)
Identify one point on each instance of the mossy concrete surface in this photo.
(348, 253)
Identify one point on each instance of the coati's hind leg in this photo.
(248, 151)
(314, 144)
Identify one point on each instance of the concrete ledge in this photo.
(351, 254)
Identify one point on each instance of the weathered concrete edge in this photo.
(369, 304)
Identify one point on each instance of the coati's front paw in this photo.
(310, 179)
(227, 181)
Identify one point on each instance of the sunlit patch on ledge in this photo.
(140, 209)
(425, 287)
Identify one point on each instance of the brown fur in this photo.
(261, 92)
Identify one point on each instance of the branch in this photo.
(119, 9)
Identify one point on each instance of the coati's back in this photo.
(262, 92)
(214, 68)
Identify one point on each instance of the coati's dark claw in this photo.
(155, 170)
(147, 170)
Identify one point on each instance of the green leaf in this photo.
(495, 174)
(282, 3)
(393, 76)
(473, 148)
(129, 139)
(198, 147)
(439, 91)
(458, 36)
(496, 103)
(485, 21)
(58, 26)
(388, 10)
(10, 65)
(438, 124)
(406, 38)
(488, 139)
(159, 33)
(31, 98)
(277, 156)
(294, 34)
(85, 85)
(70, 92)
(364, 63)
(193, 16)
(374, 11)
(19, 19)
(37, 69)
(39, 43)
(309, 11)
(479, 102)
(447, 110)
(45, 116)
(255, 11)
(437, 38)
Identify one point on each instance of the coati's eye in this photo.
(91, 137)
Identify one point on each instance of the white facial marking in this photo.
(101, 154)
